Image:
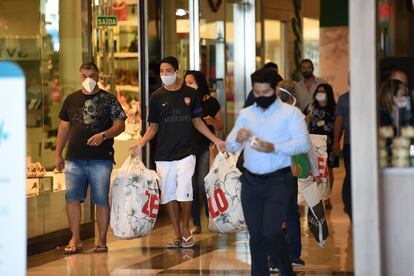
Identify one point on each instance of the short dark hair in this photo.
(306, 60)
(266, 75)
(200, 80)
(89, 66)
(271, 65)
(172, 61)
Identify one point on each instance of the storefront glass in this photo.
(115, 49)
(311, 42)
(47, 44)
(274, 44)
(212, 50)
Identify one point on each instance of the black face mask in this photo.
(265, 102)
(307, 74)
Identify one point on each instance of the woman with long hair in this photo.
(213, 118)
(320, 115)
(394, 104)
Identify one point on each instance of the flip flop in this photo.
(187, 242)
(100, 249)
(174, 244)
(72, 249)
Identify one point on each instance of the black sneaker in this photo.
(298, 262)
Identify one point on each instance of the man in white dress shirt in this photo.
(270, 132)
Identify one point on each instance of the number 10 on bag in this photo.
(218, 204)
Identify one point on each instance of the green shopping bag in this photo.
(300, 165)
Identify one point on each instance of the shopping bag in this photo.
(135, 200)
(223, 190)
(318, 143)
(312, 193)
(300, 165)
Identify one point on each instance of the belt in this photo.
(269, 175)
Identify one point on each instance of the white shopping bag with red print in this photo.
(317, 222)
(319, 145)
(223, 190)
(135, 200)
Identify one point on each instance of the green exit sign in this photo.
(107, 21)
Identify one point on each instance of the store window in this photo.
(46, 42)
(311, 42)
(396, 89)
(274, 44)
(176, 31)
(49, 50)
(212, 51)
(115, 48)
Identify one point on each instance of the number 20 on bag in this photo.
(152, 205)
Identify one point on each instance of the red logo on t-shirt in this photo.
(187, 100)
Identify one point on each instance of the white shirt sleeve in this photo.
(299, 142)
(231, 144)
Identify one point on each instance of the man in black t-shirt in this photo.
(174, 109)
(90, 119)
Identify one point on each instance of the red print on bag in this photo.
(152, 205)
(187, 100)
(322, 167)
(220, 203)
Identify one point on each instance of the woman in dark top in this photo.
(394, 105)
(214, 120)
(320, 115)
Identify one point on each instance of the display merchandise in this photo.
(35, 170)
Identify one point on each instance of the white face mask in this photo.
(403, 102)
(193, 85)
(320, 97)
(168, 80)
(89, 85)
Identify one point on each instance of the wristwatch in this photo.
(104, 136)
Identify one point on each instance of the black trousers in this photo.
(265, 202)
(293, 231)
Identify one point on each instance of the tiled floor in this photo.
(214, 254)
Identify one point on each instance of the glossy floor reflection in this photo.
(213, 254)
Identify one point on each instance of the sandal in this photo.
(174, 244)
(72, 249)
(100, 249)
(187, 242)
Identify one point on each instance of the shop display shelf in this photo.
(128, 23)
(126, 55)
(132, 88)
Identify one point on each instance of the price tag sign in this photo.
(12, 170)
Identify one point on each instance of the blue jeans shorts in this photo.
(81, 173)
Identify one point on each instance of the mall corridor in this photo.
(213, 254)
